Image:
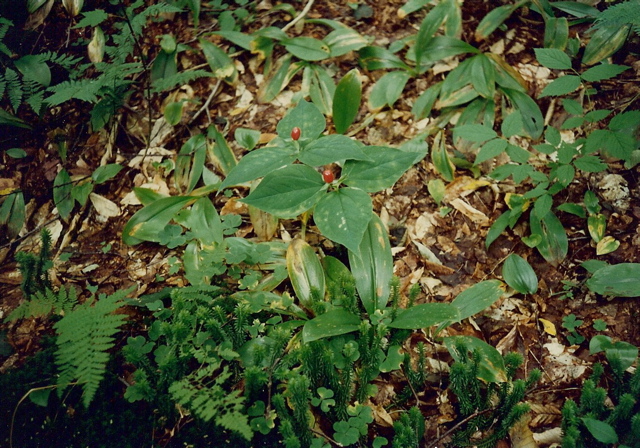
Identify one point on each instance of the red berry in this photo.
(328, 176)
(295, 133)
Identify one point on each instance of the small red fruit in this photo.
(328, 176)
(295, 133)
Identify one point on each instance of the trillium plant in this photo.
(330, 176)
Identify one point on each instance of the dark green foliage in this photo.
(42, 304)
(34, 268)
(84, 337)
(493, 408)
(617, 16)
(623, 418)
(409, 430)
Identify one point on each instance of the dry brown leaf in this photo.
(470, 212)
(544, 414)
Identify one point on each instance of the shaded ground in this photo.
(98, 257)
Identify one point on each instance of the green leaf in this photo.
(491, 368)
(343, 216)
(531, 115)
(258, 164)
(105, 172)
(307, 48)
(221, 64)
(518, 274)
(322, 89)
(11, 120)
(483, 76)
(35, 69)
(190, 163)
(305, 116)
(372, 266)
(91, 18)
(221, 154)
(278, 79)
(430, 24)
(331, 323)
(240, 39)
(173, 112)
(16, 153)
(604, 42)
(441, 160)
(603, 71)
(619, 280)
(12, 213)
(491, 149)
(247, 138)
(305, 272)
(425, 315)
(553, 58)
(423, 105)
(343, 40)
(376, 58)
(346, 101)
(81, 192)
(164, 66)
(474, 133)
(493, 20)
(330, 149)
(442, 47)
(288, 192)
(554, 245)
(624, 352)
(512, 124)
(148, 223)
(437, 190)
(561, 86)
(601, 431)
(590, 164)
(385, 167)
(556, 32)
(478, 298)
(62, 194)
(204, 223)
(388, 89)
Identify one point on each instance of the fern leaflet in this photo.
(617, 16)
(84, 337)
(42, 304)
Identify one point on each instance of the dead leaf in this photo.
(470, 212)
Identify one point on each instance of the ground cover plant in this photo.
(306, 224)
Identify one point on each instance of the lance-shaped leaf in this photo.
(305, 272)
(385, 167)
(430, 24)
(425, 315)
(12, 213)
(150, 221)
(204, 222)
(519, 274)
(478, 297)
(307, 48)
(259, 163)
(322, 89)
(343, 40)
(62, 194)
(331, 323)
(494, 19)
(375, 58)
(491, 368)
(190, 163)
(330, 149)
(604, 42)
(372, 266)
(619, 280)
(483, 76)
(388, 89)
(220, 63)
(343, 216)
(288, 192)
(532, 118)
(554, 244)
(441, 160)
(346, 101)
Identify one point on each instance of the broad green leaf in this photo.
(474, 133)
(604, 42)
(554, 245)
(343, 216)
(483, 76)
(305, 272)
(423, 105)
(437, 190)
(204, 223)
(607, 245)
(425, 315)
(491, 368)
(603, 71)
(164, 66)
(220, 153)
(626, 120)
(561, 86)
(62, 194)
(601, 431)
(477, 298)
(221, 64)
(322, 89)
(388, 89)
(531, 115)
(556, 32)
(146, 195)
(512, 124)
(81, 192)
(35, 69)
(411, 6)
(376, 58)
(519, 274)
(457, 98)
(342, 41)
(11, 120)
(258, 164)
(346, 101)
(623, 351)
(597, 226)
(190, 163)
(372, 266)
(393, 361)
(173, 112)
(307, 48)
(441, 160)
(384, 167)
(490, 150)
(288, 192)
(305, 116)
(12, 213)
(494, 19)
(553, 58)
(430, 24)
(590, 164)
(442, 47)
(240, 39)
(105, 172)
(336, 273)
(330, 149)
(279, 77)
(506, 76)
(576, 9)
(247, 138)
(331, 323)
(618, 280)
(148, 222)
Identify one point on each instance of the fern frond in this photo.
(617, 16)
(205, 393)
(84, 337)
(14, 88)
(4, 27)
(84, 89)
(179, 79)
(138, 21)
(3, 84)
(65, 61)
(42, 304)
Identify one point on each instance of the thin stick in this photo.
(300, 16)
(457, 425)
(205, 106)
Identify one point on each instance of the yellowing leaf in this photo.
(607, 245)
(548, 326)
